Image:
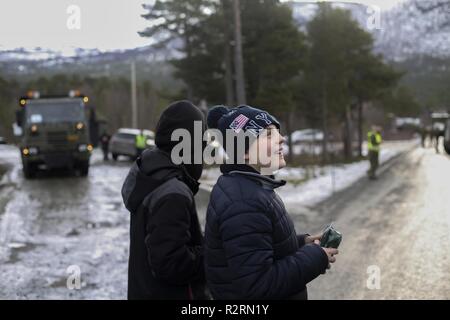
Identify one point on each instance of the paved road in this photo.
(58, 220)
(398, 225)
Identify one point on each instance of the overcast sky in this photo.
(105, 24)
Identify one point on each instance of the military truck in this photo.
(54, 132)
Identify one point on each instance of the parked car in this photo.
(2, 140)
(123, 142)
(307, 135)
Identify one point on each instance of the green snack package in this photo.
(331, 238)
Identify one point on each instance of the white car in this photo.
(307, 135)
(123, 142)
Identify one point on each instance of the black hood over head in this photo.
(150, 171)
(181, 115)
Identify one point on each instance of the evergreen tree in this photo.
(174, 20)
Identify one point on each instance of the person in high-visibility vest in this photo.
(140, 143)
(104, 140)
(374, 141)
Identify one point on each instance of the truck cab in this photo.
(55, 132)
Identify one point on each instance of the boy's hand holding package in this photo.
(329, 240)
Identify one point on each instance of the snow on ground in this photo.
(59, 220)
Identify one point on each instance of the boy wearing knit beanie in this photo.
(251, 248)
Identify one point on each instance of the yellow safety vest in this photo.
(373, 141)
(140, 141)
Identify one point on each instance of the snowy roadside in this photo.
(310, 186)
(9, 155)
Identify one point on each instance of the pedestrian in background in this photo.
(374, 141)
(104, 141)
(141, 143)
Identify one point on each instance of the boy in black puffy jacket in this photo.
(251, 248)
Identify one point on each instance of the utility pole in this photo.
(238, 60)
(229, 85)
(134, 110)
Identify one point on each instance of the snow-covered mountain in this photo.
(22, 59)
(412, 28)
(419, 28)
(404, 32)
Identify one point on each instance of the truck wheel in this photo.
(28, 170)
(84, 168)
(114, 156)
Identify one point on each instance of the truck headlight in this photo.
(85, 147)
(30, 151)
(82, 147)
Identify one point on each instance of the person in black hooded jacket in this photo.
(166, 254)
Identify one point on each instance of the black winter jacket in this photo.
(166, 254)
(251, 247)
